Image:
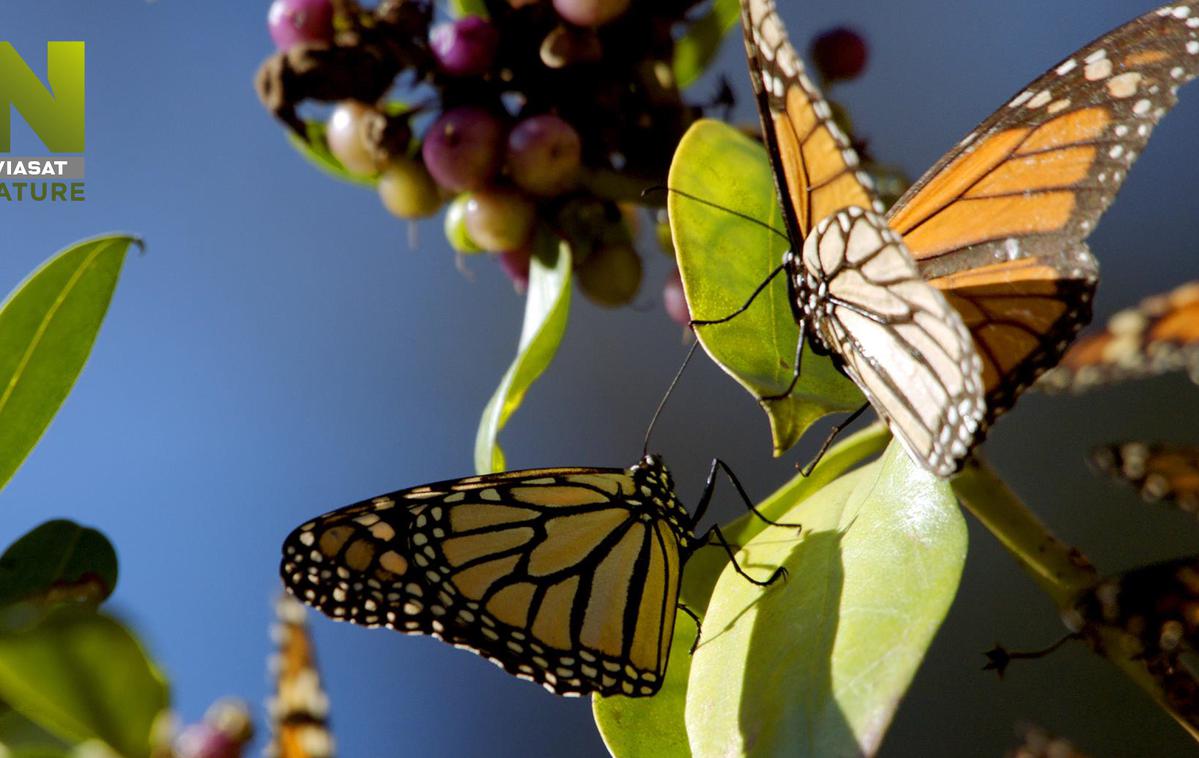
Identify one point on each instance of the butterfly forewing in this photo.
(998, 223)
(567, 577)
(816, 169)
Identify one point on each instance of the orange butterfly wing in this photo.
(820, 170)
(1159, 470)
(998, 223)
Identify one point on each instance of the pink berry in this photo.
(463, 149)
(206, 741)
(465, 47)
(294, 22)
(839, 53)
(500, 219)
(515, 263)
(544, 155)
(346, 136)
(675, 300)
(590, 12)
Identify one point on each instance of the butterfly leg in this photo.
(779, 573)
(699, 628)
(799, 345)
(708, 322)
(710, 487)
(828, 441)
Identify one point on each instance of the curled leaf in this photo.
(58, 561)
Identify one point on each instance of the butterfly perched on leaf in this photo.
(299, 709)
(977, 279)
(1159, 335)
(568, 577)
(1161, 471)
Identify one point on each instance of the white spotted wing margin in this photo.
(567, 577)
(896, 334)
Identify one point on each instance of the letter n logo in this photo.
(54, 112)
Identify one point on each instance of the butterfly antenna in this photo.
(717, 206)
(662, 402)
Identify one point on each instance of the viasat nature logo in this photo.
(54, 111)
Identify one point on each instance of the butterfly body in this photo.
(568, 577)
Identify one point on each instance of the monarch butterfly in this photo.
(997, 226)
(568, 577)
(1160, 334)
(1160, 470)
(299, 711)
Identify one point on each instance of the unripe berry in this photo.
(292, 22)
(463, 149)
(590, 12)
(500, 219)
(407, 190)
(544, 154)
(455, 226)
(346, 136)
(464, 47)
(611, 275)
(839, 53)
(674, 299)
(515, 263)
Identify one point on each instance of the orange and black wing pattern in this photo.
(816, 169)
(1158, 336)
(1161, 471)
(299, 710)
(568, 577)
(998, 223)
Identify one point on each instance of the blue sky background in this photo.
(281, 350)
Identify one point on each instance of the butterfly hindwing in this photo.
(568, 577)
(998, 223)
(1160, 471)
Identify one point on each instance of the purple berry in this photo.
(293, 22)
(515, 263)
(465, 47)
(839, 53)
(500, 219)
(463, 148)
(544, 154)
(346, 136)
(675, 299)
(206, 741)
(590, 12)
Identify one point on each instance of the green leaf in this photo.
(694, 51)
(817, 665)
(546, 309)
(47, 327)
(58, 560)
(81, 676)
(314, 147)
(723, 258)
(460, 8)
(656, 726)
(24, 739)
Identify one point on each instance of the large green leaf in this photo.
(81, 676)
(24, 739)
(723, 258)
(58, 560)
(816, 666)
(656, 727)
(47, 327)
(546, 310)
(698, 45)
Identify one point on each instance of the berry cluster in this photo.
(548, 116)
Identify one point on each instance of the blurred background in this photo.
(281, 349)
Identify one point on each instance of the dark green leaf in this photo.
(723, 258)
(546, 310)
(81, 676)
(24, 739)
(817, 665)
(58, 560)
(656, 726)
(47, 327)
(694, 51)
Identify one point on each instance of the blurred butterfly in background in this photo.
(1159, 335)
(299, 709)
(996, 227)
(568, 577)
(1161, 471)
